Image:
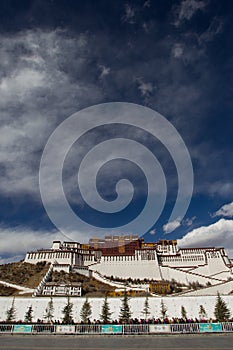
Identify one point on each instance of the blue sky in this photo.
(58, 57)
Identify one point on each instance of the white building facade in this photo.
(153, 261)
(58, 289)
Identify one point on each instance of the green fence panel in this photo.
(22, 328)
(106, 328)
(210, 327)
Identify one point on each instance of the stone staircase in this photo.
(39, 288)
(213, 279)
(224, 288)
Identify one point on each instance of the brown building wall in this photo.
(115, 245)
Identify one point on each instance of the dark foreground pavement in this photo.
(69, 342)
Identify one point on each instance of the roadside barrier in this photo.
(88, 329)
(185, 328)
(121, 329)
(227, 327)
(135, 329)
(6, 328)
(42, 328)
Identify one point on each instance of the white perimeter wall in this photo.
(214, 267)
(173, 305)
(169, 273)
(150, 269)
(223, 288)
(126, 269)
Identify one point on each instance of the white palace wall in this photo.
(222, 288)
(184, 265)
(183, 260)
(215, 266)
(59, 257)
(49, 256)
(169, 273)
(130, 268)
(173, 304)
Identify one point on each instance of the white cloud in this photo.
(22, 81)
(188, 221)
(20, 240)
(171, 226)
(153, 232)
(226, 210)
(147, 3)
(222, 188)
(215, 27)
(188, 49)
(145, 88)
(177, 50)
(36, 92)
(56, 64)
(219, 234)
(129, 15)
(15, 242)
(187, 9)
(104, 71)
(146, 27)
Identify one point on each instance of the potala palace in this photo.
(130, 257)
(127, 257)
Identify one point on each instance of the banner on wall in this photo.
(111, 328)
(159, 328)
(210, 327)
(65, 329)
(22, 328)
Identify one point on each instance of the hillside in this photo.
(23, 274)
(29, 275)
(7, 291)
(90, 286)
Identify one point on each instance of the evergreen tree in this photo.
(146, 309)
(67, 312)
(49, 311)
(202, 312)
(11, 312)
(86, 312)
(183, 313)
(125, 313)
(28, 315)
(163, 310)
(105, 315)
(221, 311)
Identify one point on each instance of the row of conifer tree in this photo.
(221, 311)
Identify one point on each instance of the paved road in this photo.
(69, 342)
